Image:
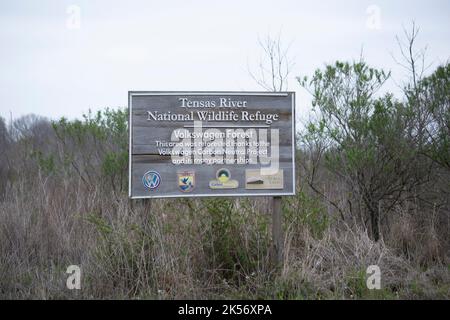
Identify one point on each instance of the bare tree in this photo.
(428, 126)
(4, 161)
(3, 135)
(274, 65)
(413, 60)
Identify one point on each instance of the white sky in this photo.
(50, 69)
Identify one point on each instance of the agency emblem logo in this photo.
(151, 179)
(186, 181)
(223, 180)
(255, 180)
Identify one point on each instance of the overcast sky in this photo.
(54, 64)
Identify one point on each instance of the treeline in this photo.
(384, 152)
(381, 152)
(94, 149)
(373, 184)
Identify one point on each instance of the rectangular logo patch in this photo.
(256, 181)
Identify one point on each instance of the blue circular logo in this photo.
(151, 179)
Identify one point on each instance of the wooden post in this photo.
(277, 232)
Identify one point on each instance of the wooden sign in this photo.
(200, 144)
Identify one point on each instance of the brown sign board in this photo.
(211, 144)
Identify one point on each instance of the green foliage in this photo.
(96, 148)
(349, 116)
(46, 162)
(114, 163)
(435, 95)
(233, 247)
(365, 136)
(293, 288)
(101, 225)
(356, 288)
(305, 210)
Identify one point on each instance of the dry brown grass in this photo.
(202, 249)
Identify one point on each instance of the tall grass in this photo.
(63, 202)
(202, 249)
